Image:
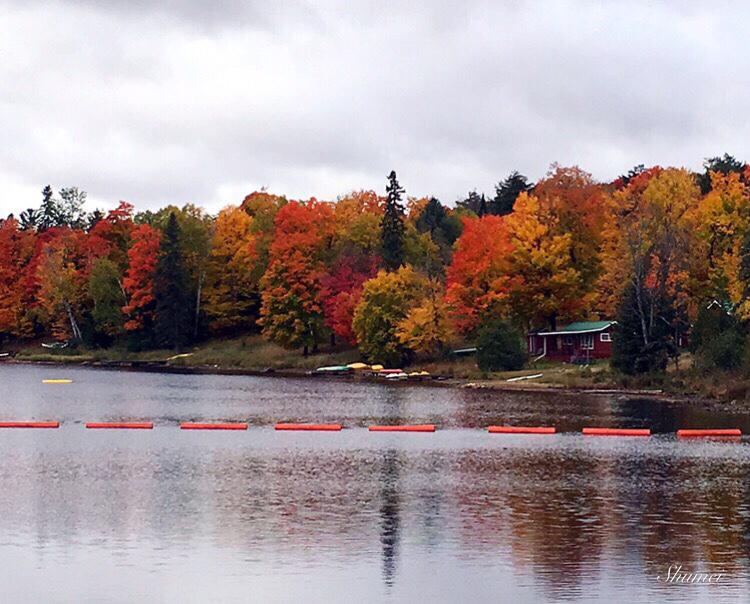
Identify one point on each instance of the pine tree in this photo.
(474, 202)
(717, 339)
(29, 219)
(48, 215)
(482, 206)
(724, 165)
(506, 193)
(392, 225)
(173, 301)
(500, 347)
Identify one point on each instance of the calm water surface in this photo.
(458, 515)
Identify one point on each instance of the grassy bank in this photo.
(248, 352)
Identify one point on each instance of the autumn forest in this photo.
(665, 251)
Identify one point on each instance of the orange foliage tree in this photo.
(478, 280)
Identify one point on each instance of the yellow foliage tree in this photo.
(386, 301)
(231, 294)
(548, 285)
(723, 219)
(427, 329)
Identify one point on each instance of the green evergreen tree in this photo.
(500, 347)
(392, 226)
(29, 219)
(724, 164)
(644, 337)
(443, 227)
(49, 214)
(483, 210)
(506, 193)
(93, 218)
(474, 202)
(717, 339)
(173, 322)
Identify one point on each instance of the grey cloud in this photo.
(183, 101)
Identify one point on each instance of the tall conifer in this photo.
(392, 225)
(173, 324)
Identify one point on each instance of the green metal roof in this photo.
(581, 327)
(586, 326)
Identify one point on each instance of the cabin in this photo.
(578, 342)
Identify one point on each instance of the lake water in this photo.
(458, 515)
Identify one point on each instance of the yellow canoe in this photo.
(57, 381)
(377, 368)
(358, 366)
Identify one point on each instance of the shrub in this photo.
(500, 348)
(717, 339)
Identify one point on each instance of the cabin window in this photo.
(587, 341)
(605, 337)
(568, 341)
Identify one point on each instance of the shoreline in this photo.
(497, 385)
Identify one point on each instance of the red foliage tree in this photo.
(139, 278)
(291, 311)
(16, 250)
(341, 289)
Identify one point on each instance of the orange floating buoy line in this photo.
(417, 428)
(29, 424)
(120, 425)
(214, 426)
(617, 431)
(145, 425)
(704, 433)
(521, 430)
(322, 427)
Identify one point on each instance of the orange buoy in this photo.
(29, 424)
(323, 427)
(715, 432)
(617, 431)
(120, 425)
(418, 428)
(218, 426)
(521, 430)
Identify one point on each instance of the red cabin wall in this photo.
(557, 349)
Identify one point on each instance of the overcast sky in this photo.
(190, 101)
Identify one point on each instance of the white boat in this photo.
(525, 377)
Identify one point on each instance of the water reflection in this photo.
(389, 514)
(455, 515)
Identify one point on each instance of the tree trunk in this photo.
(122, 289)
(74, 329)
(198, 303)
